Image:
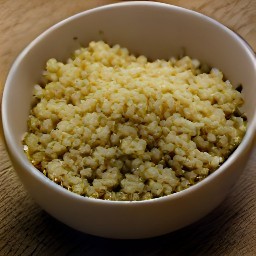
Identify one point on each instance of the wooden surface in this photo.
(25, 229)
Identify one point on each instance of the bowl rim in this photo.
(23, 161)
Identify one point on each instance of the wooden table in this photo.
(25, 229)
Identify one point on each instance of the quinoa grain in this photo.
(113, 126)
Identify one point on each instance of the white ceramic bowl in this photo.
(157, 31)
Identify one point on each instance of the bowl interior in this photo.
(155, 30)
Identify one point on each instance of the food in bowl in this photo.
(113, 126)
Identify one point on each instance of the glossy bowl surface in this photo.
(158, 31)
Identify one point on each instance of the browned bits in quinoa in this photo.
(113, 126)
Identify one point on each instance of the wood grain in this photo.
(27, 230)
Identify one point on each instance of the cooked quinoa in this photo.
(109, 125)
